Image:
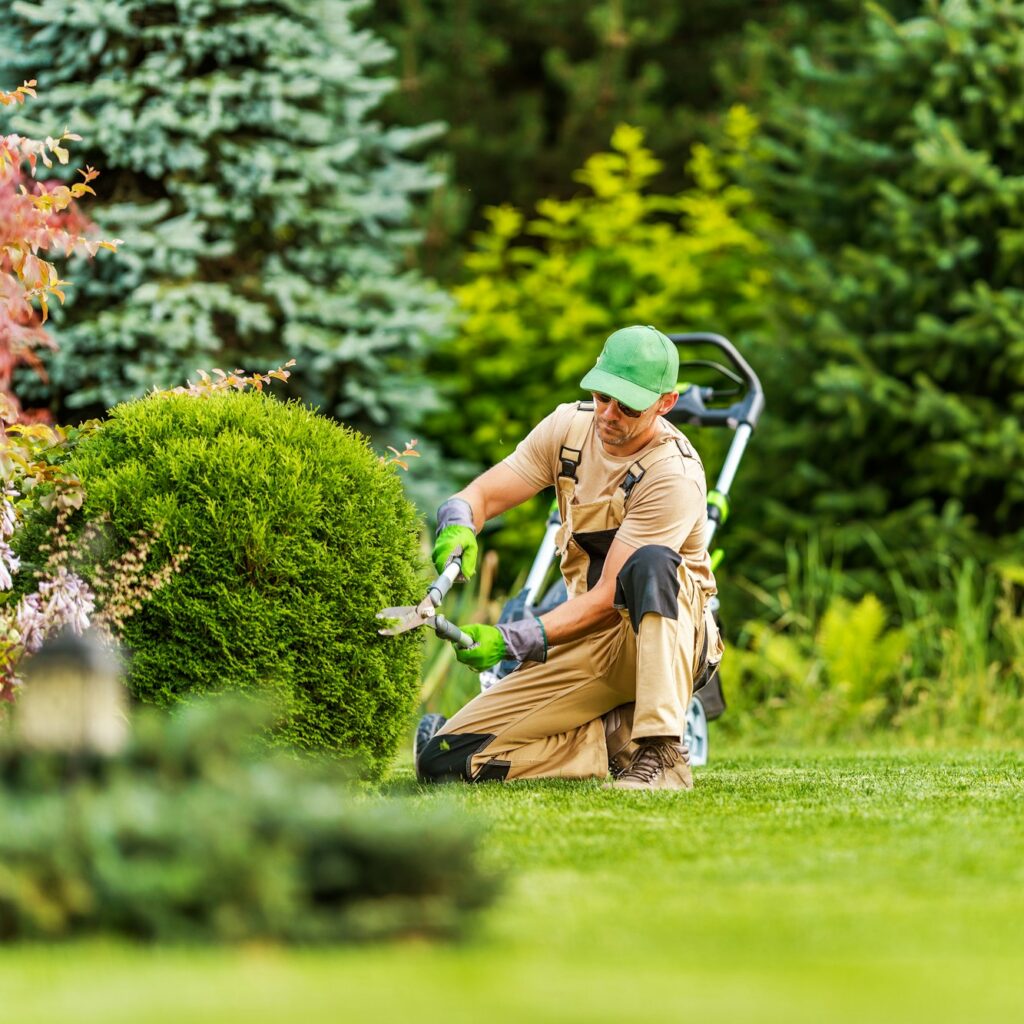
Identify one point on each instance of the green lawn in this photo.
(787, 887)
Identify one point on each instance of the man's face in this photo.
(617, 428)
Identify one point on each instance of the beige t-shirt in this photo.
(668, 506)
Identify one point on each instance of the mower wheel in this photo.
(428, 726)
(696, 737)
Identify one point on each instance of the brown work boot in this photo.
(658, 764)
(618, 735)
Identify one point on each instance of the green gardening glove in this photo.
(450, 538)
(490, 647)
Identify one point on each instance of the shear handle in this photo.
(444, 582)
(449, 631)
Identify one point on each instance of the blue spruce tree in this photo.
(266, 214)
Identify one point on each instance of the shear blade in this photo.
(408, 618)
(396, 613)
(396, 630)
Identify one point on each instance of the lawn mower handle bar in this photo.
(690, 408)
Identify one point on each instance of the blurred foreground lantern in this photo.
(73, 699)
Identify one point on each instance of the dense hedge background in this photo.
(298, 533)
(891, 156)
(531, 89)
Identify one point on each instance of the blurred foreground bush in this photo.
(298, 535)
(192, 835)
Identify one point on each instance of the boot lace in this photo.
(650, 760)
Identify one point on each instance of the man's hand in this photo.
(490, 647)
(522, 640)
(455, 529)
(450, 539)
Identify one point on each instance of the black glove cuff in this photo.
(525, 639)
(455, 512)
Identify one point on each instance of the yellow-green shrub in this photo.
(544, 291)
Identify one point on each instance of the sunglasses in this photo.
(624, 409)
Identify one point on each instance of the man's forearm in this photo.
(579, 616)
(495, 491)
(474, 497)
(530, 639)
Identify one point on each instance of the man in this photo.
(608, 674)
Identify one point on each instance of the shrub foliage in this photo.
(892, 156)
(266, 214)
(531, 89)
(298, 534)
(191, 835)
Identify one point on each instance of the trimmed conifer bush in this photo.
(297, 534)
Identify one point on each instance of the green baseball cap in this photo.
(637, 366)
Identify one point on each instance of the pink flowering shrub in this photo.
(61, 598)
(35, 217)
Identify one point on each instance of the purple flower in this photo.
(30, 623)
(9, 565)
(66, 600)
(8, 516)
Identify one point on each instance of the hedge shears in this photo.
(412, 616)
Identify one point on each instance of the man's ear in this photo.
(667, 401)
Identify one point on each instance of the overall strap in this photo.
(572, 447)
(668, 449)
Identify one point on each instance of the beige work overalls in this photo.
(544, 720)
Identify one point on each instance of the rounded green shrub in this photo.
(298, 535)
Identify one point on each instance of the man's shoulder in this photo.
(670, 432)
(566, 410)
(541, 446)
(558, 422)
(673, 472)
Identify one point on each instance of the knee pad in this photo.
(649, 582)
(446, 758)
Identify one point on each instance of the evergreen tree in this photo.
(895, 380)
(265, 213)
